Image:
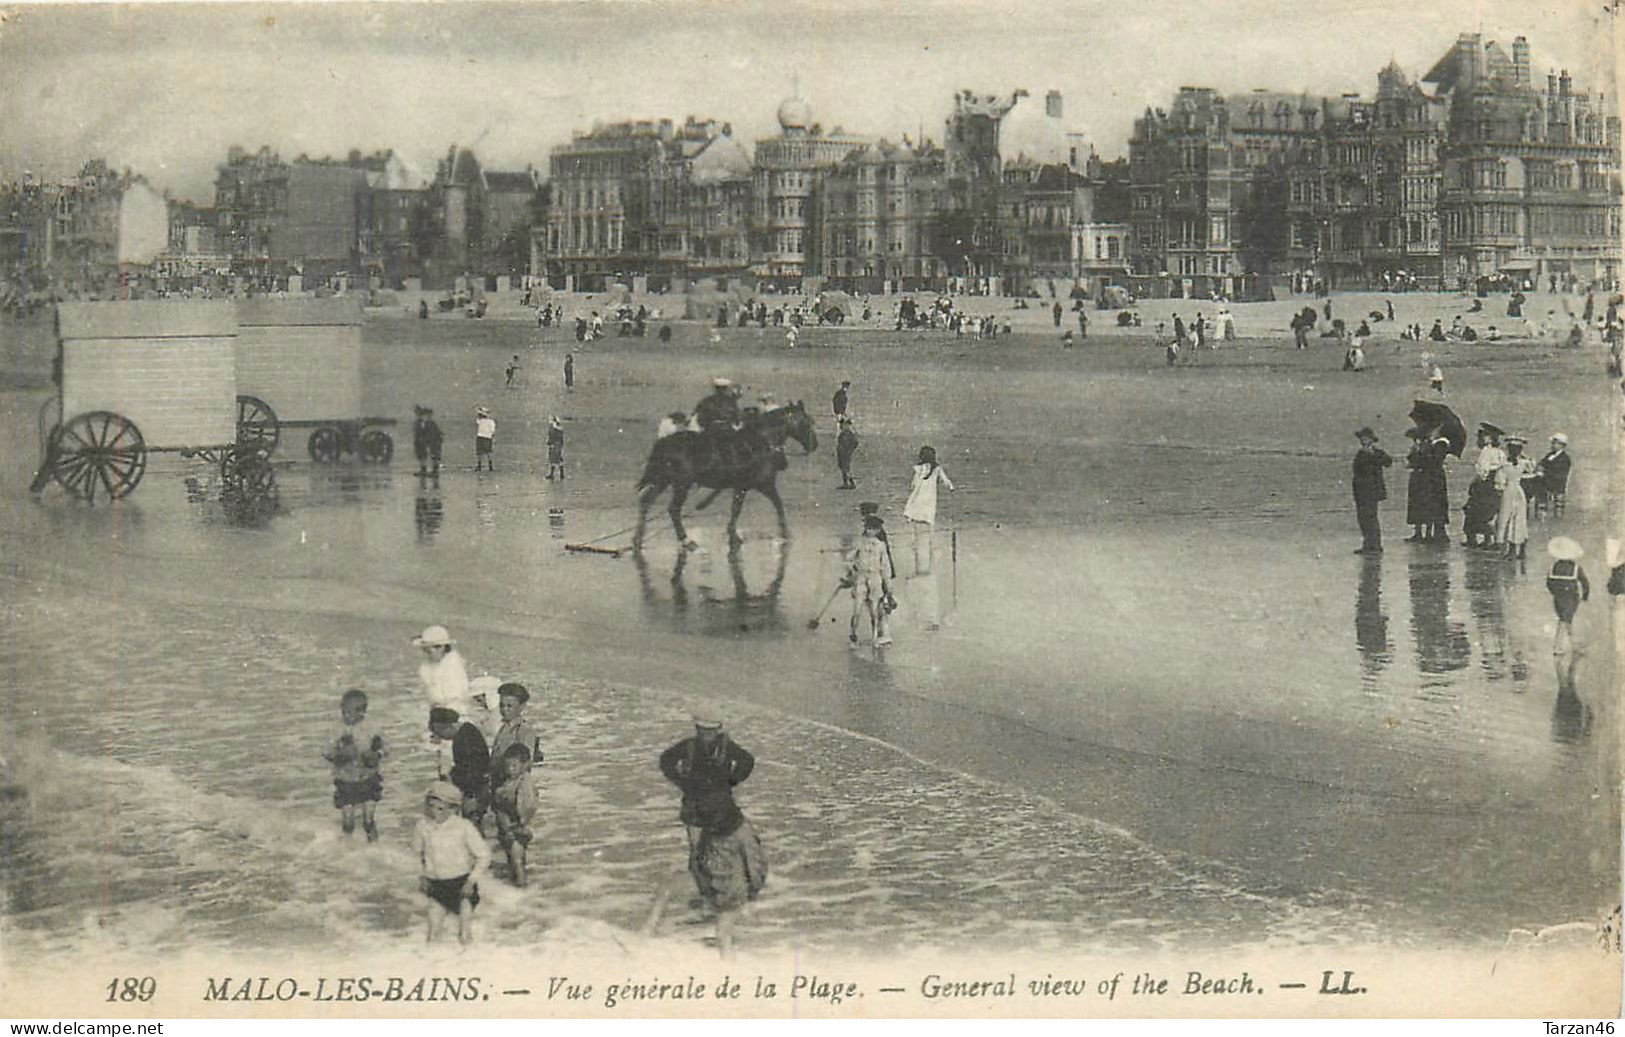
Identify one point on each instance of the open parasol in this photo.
(1433, 414)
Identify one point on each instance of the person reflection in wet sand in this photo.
(1441, 646)
(1571, 718)
(749, 611)
(1486, 592)
(429, 512)
(1370, 621)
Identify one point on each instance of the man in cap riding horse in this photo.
(718, 410)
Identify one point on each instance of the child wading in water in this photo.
(355, 754)
(1568, 585)
(513, 793)
(451, 854)
(513, 802)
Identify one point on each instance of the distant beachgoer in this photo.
(355, 753)
(569, 370)
(846, 444)
(1512, 520)
(1055, 311)
(1180, 337)
(1390, 304)
(725, 857)
(1437, 332)
(426, 441)
(1354, 358)
(1436, 379)
(838, 402)
(485, 431)
(513, 369)
(555, 447)
(1568, 586)
(1083, 324)
(1370, 489)
(451, 855)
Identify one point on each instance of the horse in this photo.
(741, 460)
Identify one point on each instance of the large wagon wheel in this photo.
(377, 447)
(324, 445)
(257, 427)
(98, 452)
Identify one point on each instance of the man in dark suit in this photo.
(1369, 490)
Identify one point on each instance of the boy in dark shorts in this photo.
(451, 854)
(355, 753)
(513, 802)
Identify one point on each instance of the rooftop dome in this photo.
(794, 114)
(1027, 134)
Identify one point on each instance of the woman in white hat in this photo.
(443, 673)
(1512, 521)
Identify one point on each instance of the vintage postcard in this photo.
(841, 509)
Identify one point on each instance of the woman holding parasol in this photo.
(1439, 434)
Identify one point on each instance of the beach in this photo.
(1165, 706)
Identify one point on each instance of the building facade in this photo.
(788, 169)
(875, 218)
(1531, 179)
(620, 205)
(1475, 171)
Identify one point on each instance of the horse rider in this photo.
(718, 410)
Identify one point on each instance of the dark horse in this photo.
(740, 460)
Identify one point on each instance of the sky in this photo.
(165, 89)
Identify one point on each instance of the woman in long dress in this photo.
(1427, 500)
(1512, 521)
(921, 509)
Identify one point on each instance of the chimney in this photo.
(1520, 61)
(1565, 85)
(1052, 104)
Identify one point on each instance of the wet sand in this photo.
(1165, 702)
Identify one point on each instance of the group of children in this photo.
(476, 777)
(427, 440)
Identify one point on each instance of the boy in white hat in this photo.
(451, 854)
(485, 432)
(1568, 586)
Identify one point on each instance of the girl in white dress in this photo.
(921, 509)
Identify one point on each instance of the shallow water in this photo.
(1165, 707)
